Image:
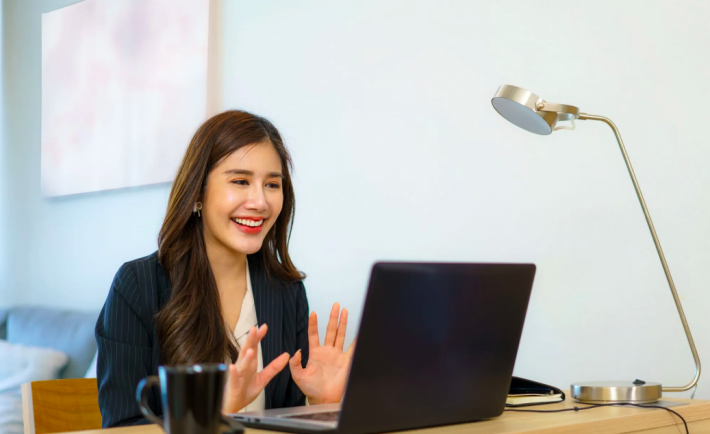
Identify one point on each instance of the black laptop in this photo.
(436, 346)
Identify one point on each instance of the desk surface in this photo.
(607, 420)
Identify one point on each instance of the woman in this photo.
(222, 287)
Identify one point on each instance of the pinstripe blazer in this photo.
(129, 349)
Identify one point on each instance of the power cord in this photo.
(575, 408)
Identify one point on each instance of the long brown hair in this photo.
(190, 326)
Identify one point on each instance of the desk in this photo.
(606, 420)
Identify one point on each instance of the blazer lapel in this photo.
(269, 310)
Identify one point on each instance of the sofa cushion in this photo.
(70, 332)
(22, 364)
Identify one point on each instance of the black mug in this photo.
(192, 399)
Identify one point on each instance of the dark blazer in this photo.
(129, 349)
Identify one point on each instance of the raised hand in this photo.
(244, 383)
(323, 379)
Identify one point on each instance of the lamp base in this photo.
(616, 392)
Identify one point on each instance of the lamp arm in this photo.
(585, 116)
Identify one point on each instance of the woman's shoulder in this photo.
(141, 280)
(258, 270)
(132, 270)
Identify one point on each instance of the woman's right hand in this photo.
(245, 383)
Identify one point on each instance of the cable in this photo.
(575, 408)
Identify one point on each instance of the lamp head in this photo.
(530, 112)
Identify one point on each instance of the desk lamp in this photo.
(532, 113)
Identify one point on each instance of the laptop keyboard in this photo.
(326, 416)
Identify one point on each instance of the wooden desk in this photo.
(605, 420)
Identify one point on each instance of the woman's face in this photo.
(243, 198)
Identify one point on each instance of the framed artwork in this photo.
(124, 87)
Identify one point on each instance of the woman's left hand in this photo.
(323, 379)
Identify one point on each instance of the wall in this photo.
(64, 251)
(6, 296)
(399, 155)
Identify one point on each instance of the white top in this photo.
(247, 320)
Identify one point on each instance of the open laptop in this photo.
(436, 345)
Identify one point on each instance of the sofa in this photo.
(71, 332)
(39, 343)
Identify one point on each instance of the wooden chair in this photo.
(61, 405)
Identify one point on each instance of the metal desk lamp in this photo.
(534, 114)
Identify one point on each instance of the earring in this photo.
(197, 209)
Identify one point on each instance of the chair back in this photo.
(56, 406)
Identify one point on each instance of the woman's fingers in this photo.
(296, 365)
(342, 328)
(254, 336)
(272, 369)
(250, 341)
(313, 338)
(351, 349)
(261, 332)
(247, 344)
(232, 391)
(233, 374)
(332, 328)
(243, 361)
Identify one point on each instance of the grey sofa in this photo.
(71, 332)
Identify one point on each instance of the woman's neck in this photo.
(228, 268)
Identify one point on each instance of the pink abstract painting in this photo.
(124, 87)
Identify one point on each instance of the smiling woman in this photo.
(222, 272)
(244, 192)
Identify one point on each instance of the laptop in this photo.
(436, 345)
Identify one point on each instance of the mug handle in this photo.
(233, 427)
(143, 385)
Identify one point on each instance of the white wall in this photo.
(399, 155)
(6, 296)
(62, 252)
